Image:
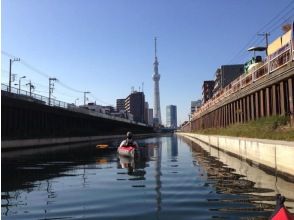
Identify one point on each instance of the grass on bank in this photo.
(274, 128)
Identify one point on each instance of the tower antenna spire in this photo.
(156, 78)
(155, 47)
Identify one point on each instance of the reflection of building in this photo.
(207, 90)
(171, 116)
(226, 74)
(135, 104)
(172, 146)
(195, 105)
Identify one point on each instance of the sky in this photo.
(106, 47)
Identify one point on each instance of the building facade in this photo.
(135, 104)
(195, 105)
(150, 116)
(171, 116)
(120, 104)
(207, 90)
(226, 74)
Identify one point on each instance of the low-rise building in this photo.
(195, 105)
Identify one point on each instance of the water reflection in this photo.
(172, 147)
(174, 179)
(231, 175)
(157, 156)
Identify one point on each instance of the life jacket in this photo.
(129, 143)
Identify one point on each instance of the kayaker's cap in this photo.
(129, 135)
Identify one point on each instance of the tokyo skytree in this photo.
(156, 78)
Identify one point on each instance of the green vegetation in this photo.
(274, 128)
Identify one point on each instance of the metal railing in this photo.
(273, 62)
(33, 97)
(30, 96)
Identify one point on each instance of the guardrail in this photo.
(273, 62)
(34, 97)
(29, 96)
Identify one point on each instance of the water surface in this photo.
(175, 179)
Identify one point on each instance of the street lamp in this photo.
(19, 83)
(10, 64)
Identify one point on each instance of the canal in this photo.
(176, 179)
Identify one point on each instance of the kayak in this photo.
(127, 151)
(281, 213)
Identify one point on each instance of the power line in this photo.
(29, 66)
(285, 11)
(99, 100)
(34, 69)
(283, 20)
(68, 87)
(7, 54)
(278, 14)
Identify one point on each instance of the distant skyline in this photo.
(107, 46)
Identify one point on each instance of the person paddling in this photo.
(129, 142)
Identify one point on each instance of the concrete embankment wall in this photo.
(274, 156)
(42, 142)
(25, 120)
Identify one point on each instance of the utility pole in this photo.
(266, 34)
(10, 65)
(51, 87)
(85, 97)
(31, 87)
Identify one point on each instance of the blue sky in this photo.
(106, 46)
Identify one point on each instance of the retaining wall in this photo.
(275, 156)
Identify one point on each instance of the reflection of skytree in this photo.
(157, 156)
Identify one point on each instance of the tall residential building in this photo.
(195, 105)
(135, 104)
(156, 78)
(226, 74)
(120, 104)
(171, 116)
(146, 107)
(150, 116)
(207, 90)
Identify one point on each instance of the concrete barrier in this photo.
(262, 180)
(40, 142)
(274, 156)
